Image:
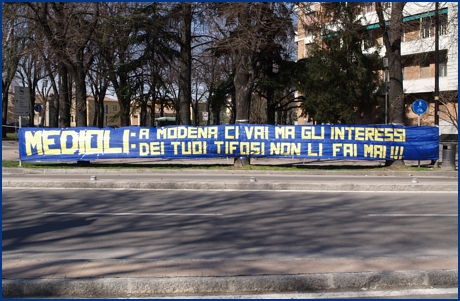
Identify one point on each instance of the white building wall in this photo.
(452, 46)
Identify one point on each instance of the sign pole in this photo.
(22, 105)
(418, 124)
(419, 107)
(20, 120)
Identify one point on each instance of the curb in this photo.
(390, 173)
(177, 286)
(229, 186)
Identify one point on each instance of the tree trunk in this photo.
(392, 44)
(244, 82)
(240, 162)
(124, 110)
(31, 104)
(143, 113)
(124, 101)
(80, 82)
(185, 83)
(64, 100)
(396, 95)
(4, 108)
(152, 106)
(96, 112)
(271, 113)
(99, 105)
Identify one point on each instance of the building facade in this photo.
(417, 50)
(111, 110)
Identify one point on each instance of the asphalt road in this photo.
(51, 224)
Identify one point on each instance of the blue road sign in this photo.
(419, 106)
(38, 108)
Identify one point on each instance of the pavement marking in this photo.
(128, 213)
(416, 215)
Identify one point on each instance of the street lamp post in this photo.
(385, 67)
(436, 66)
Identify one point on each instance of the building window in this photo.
(442, 25)
(386, 5)
(114, 108)
(307, 50)
(425, 69)
(443, 69)
(367, 7)
(106, 120)
(308, 24)
(425, 31)
(107, 109)
(71, 118)
(369, 40)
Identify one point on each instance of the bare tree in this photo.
(254, 35)
(68, 28)
(99, 83)
(12, 48)
(449, 108)
(120, 52)
(31, 70)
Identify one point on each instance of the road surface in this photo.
(53, 224)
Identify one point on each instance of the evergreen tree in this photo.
(338, 80)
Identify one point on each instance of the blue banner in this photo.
(347, 142)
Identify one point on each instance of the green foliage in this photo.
(218, 96)
(339, 80)
(277, 86)
(12, 136)
(280, 82)
(219, 93)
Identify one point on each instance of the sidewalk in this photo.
(87, 178)
(133, 278)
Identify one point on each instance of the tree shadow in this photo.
(223, 225)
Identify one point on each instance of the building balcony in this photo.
(423, 45)
(425, 85)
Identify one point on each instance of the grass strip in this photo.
(172, 166)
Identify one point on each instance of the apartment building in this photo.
(417, 49)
